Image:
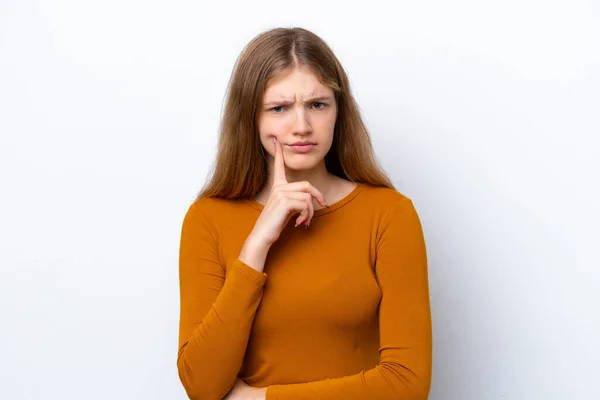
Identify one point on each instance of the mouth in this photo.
(302, 148)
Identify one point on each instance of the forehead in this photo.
(301, 81)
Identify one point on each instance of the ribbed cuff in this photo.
(247, 270)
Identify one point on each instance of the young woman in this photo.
(303, 272)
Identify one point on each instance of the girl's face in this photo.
(295, 108)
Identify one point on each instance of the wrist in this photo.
(256, 244)
(254, 254)
(261, 393)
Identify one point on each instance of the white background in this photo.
(485, 113)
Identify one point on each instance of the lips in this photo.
(301, 143)
(302, 148)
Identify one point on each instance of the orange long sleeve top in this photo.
(341, 310)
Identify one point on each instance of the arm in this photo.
(216, 311)
(404, 369)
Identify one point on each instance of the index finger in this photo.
(279, 165)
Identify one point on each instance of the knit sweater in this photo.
(341, 310)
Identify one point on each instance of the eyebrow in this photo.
(288, 102)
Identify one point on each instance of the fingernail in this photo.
(295, 225)
(326, 205)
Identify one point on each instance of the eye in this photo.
(319, 108)
(277, 109)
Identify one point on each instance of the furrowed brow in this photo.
(289, 102)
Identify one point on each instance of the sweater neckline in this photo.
(321, 211)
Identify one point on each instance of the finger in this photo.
(279, 165)
(298, 206)
(307, 198)
(304, 186)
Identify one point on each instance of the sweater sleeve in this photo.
(216, 311)
(404, 368)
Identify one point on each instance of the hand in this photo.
(284, 200)
(242, 391)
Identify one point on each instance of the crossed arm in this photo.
(217, 316)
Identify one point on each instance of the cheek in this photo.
(271, 126)
(271, 129)
(267, 143)
(325, 127)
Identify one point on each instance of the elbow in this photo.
(421, 385)
(421, 389)
(407, 383)
(195, 385)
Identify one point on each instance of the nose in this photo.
(301, 123)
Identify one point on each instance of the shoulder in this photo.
(393, 212)
(210, 205)
(214, 205)
(217, 210)
(385, 199)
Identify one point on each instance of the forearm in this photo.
(385, 381)
(209, 361)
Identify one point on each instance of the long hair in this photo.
(240, 169)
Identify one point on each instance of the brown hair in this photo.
(240, 169)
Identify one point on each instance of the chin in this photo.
(301, 162)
